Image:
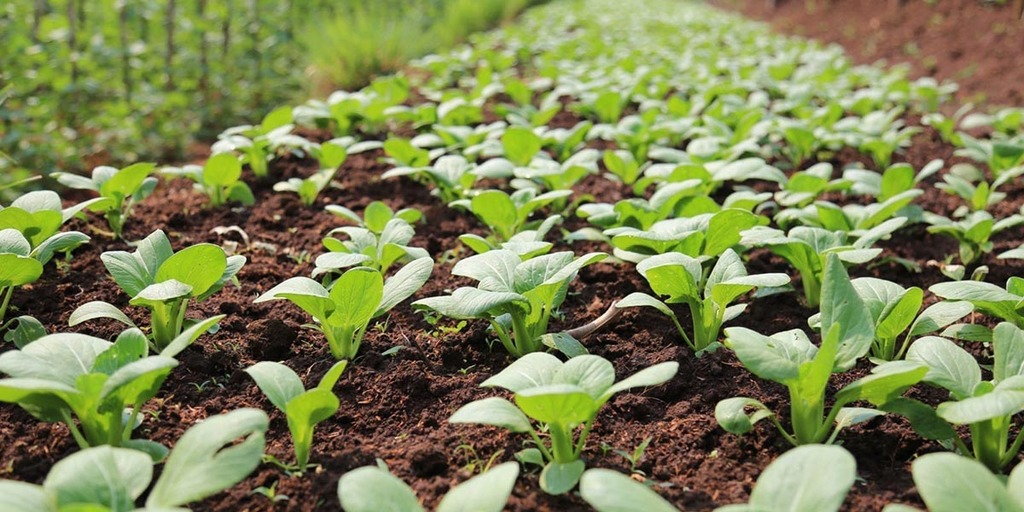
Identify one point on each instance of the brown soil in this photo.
(972, 42)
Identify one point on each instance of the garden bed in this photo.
(397, 395)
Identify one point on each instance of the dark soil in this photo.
(975, 43)
(395, 407)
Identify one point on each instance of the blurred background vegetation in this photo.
(93, 82)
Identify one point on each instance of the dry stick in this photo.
(596, 324)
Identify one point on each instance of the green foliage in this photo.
(517, 297)
(987, 406)
(1005, 303)
(331, 156)
(219, 178)
(303, 408)
(38, 216)
(951, 483)
(611, 491)
(101, 384)
(119, 188)
(162, 281)
(372, 488)
(790, 359)
(507, 215)
(682, 280)
(973, 232)
(361, 294)
(17, 267)
(559, 397)
(206, 460)
(702, 235)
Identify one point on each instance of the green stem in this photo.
(807, 419)
(812, 289)
(339, 339)
(126, 434)
(583, 438)
(987, 448)
(561, 443)
(79, 439)
(505, 339)
(540, 446)
(1012, 452)
(524, 339)
(8, 292)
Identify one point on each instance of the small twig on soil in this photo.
(596, 324)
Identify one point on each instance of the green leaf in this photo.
(495, 270)
(330, 378)
(113, 477)
(222, 170)
(1005, 400)
(25, 330)
(777, 358)
(842, 308)
(98, 309)
(304, 412)
(731, 414)
(559, 478)
(487, 492)
(404, 283)
(651, 376)
(557, 403)
(278, 382)
(812, 477)
(496, 209)
(531, 370)
(17, 270)
(372, 489)
(162, 292)
(640, 299)
(611, 491)
(884, 383)
(1008, 345)
(949, 366)
(493, 411)
(199, 266)
(25, 497)
(520, 144)
(190, 335)
(307, 294)
(356, 296)
(207, 459)
(953, 483)
(466, 303)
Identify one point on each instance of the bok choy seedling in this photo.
(119, 189)
(517, 297)
(361, 294)
(162, 281)
(219, 179)
(17, 266)
(206, 460)
(102, 384)
(681, 279)
(1005, 303)
(790, 358)
(951, 483)
(559, 397)
(303, 408)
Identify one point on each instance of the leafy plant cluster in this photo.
(718, 155)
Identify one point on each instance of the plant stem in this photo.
(561, 443)
(79, 439)
(525, 341)
(8, 292)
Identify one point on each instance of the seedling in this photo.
(506, 215)
(331, 156)
(206, 460)
(559, 397)
(790, 358)
(973, 232)
(119, 189)
(303, 408)
(102, 384)
(162, 281)
(681, 279)
(361, 294)
(219, 179)
(517, 297)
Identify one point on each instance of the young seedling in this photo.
(895, 180)
(102, 384)
(206, 460)
(517, 297)
(545, 174)
(254, 142)
(894, 311)
(119, 189)
(987, 407)
(361, 294)
(373, 488)
(622, 166)
(162, 281)
(952, 483)
(560, 398)
(219, 179)
(681, 279)
(330, 156)
(804, 187)
(704, 235)
(376, 215)
(506, 215)
(526, 243)
(452, 176)
(303, 408)
(365, 248)
(854, 219)
(978, 194)
(521, 145)
(807, 250)
(973, 232)
(790, 358)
